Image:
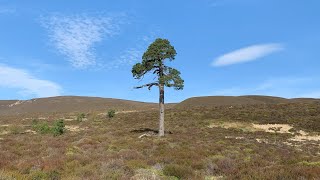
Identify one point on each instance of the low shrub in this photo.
(80, 117)
(181, 172)
(58, 128)
(111, 113)
(42, 127)
(16, 129)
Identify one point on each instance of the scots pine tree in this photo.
(154, 61)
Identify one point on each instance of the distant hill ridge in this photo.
(63, 104)
(240, 100)
(70, 104)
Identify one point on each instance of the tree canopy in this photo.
(153, 61)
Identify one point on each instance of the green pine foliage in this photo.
(153, 61)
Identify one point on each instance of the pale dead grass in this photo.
(69, 118)
(247, 127)
(30, 131)
(73, 128)
(270, 128)
(234, 137)
(4, 132)
(16, 103)
(301, 138)
(262, 141)
(119, 112)
(5, 125)
(126, 112)
(274, 128)
(214, 177)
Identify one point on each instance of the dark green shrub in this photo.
(42, 128)
(58, 127)
(111, 113)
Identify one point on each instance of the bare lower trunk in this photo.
(161, 106)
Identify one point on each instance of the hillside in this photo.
(208, 101)
(70, 104)
(263, 141)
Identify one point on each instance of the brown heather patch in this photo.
(106, 148)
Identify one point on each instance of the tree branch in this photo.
(147, 85)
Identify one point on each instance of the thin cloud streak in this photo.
(132, 55)
(7, 10)
(247, 54)
(76, 36)
(26, 83)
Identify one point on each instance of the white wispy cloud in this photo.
(75, 36)
(7, 10)
(247, 54)
(26, 83)
(127, 58)
(132, 55)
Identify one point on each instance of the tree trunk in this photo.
(161, 106)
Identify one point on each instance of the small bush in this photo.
(16, 129)
(111, 113)
(80, 117)
(54, 175)
(43, 127)
(58, 128)
(181, 172)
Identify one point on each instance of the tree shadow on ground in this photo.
(148, 130)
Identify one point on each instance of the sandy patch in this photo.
(285, 128)
(30, 131)
(262, 141)
(273, 128)
(5, 125)
(4, 132)
(75, 128)
(16, 103)
(214, 177)
(301, 138)
(251, 127)
(233, 137)
(234, 125)
(125, 112)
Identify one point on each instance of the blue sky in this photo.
(225, 47)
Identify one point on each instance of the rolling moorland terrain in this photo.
(246, 137)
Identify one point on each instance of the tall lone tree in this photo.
(153, 61)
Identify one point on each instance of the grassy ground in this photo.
(104, 148)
